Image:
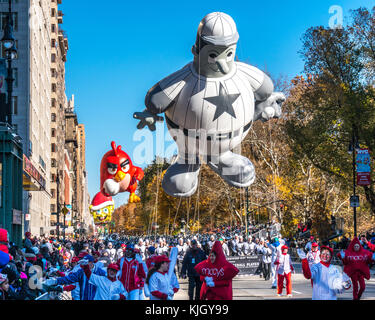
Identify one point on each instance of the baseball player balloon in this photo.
(209, 106)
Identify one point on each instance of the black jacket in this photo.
(191, 259)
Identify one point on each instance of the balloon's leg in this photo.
(181, 179)
(236, 170)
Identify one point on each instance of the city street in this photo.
(255, 288)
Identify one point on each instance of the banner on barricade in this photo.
(247, 265)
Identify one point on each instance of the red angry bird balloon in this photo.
(117, 174)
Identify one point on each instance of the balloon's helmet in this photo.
(215, 47)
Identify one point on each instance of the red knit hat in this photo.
(284, 247)
(3, 235)
(101, 201)
(328, 248)
(82, 254)
(161, 259)
(314, 244)
(113, 266)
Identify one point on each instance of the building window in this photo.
(53, 43)
(53, 177)
(53, 163)
(53, 210)
(53, 133)
(53, 28)
(15, 105)
(53, 87)
(4, 20)
(53, 103)
(53, 193)
(53, 147)
(15, 77)
(42, 163)
(53, 117)
(53, 57)
(53, 12)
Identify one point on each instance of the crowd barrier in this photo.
(54, 296)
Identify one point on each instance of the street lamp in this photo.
(247, 213)
(10, 53)
(353, 147)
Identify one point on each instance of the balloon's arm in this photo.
(265, 90)
(157, 101)
(270, 108)
(147, 119)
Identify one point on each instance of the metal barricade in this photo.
(55, 296)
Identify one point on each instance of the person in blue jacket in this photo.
(87, 290)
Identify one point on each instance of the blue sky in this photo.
(119, 49)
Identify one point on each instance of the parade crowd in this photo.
(119, 267)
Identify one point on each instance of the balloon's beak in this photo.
(119, 176)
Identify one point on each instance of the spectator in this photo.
(266, 259)
(192, 257)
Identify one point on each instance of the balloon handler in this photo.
(328, 281)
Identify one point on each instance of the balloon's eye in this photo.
(230, 54)
(112, 168)
(213, 55)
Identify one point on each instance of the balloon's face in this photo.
(103, 215)
(216, 61)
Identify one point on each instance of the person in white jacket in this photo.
(276, 250)
(284, 271)
(328, 281)
(107, 287)
(111, 252)
(158, 280)
(313, 256)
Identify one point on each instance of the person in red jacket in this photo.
(356, 260)
(216, 274)
(370, 245)
(131, 273)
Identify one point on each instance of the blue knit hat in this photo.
(89, 258)
(4, 259)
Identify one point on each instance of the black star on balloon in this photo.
(223, 102)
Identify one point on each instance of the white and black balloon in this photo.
(209, 106)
